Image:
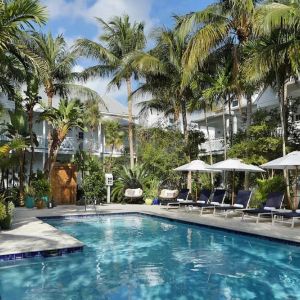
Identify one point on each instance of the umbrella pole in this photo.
(296, 192)
(233, 182)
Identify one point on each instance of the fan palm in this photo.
(69, 114)
(120, 39)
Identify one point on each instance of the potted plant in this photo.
(151, 191)
(29, 197)
(42, 189)
(6, 213)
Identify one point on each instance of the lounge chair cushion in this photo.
(224, 205)
(201, 202)
(215, 203)
(298, 211)
(133, 193)
(269, 208)
(168, 194)
(238, 205)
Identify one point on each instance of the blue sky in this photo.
(76, 18)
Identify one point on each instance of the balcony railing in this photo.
(217, 146)
(91, 145)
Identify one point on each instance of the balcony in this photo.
(91, 145)
(217, 146)
(69, 145)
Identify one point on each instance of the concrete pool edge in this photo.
(264, 230)
(281, 240)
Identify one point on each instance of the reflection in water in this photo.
(134, 257)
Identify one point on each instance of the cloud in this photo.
(106, 9)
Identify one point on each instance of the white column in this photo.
(235, 124)
(227, 126)
(99, 139)
(44, 139)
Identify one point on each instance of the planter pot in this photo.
(5, 224)
(148, 201)
(46, 200)
(29, 202)
(39, 204)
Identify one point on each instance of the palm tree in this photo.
(15, 15)
(69, 114)
(114, 137)
(164, 70)
(56, 70)
(19, 140)
(119, 40)
(92, 117)
(32, 98)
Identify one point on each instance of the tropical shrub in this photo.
(94, 186)
(266, 186)
(41, 187)
(138, 177)
(2, 211)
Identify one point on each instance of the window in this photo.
(297, 118)
(235, 103)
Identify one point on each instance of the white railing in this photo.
(217, 146)
(69, 144)
(91, 145)
(116, 152)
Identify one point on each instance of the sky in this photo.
(76, 19)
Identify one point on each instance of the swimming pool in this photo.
(140, 257)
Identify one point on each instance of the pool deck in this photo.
(30, 234)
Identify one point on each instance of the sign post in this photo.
(109, 181)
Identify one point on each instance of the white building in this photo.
(92, 142)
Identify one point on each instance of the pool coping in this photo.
(183, 221)
(180, 219)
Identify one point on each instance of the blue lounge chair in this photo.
(203, 199)
(241, 203)
(217, 199)
(274, 201)
(181, 198)
(286, 216)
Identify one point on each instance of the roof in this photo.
(113, 107)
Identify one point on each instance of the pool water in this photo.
(140, 257)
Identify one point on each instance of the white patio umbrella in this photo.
(196, 166)
(290, 161)
(234, 165)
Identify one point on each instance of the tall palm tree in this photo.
(69, 114)
(57, 63)
(92, 117)
(15, 15)
(164, 70)
(114, 137)
(32, 98)
(120, 38)
(56, 70)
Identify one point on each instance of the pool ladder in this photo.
(94, 204)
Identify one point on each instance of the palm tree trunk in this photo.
(50, 95)
(30, 125)
(282, 98)
(224, 132)
(186, 139)
(248, 124)
(130, 123)
(209, 145)
(184, 122)
(230, 123)
(21, 177)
